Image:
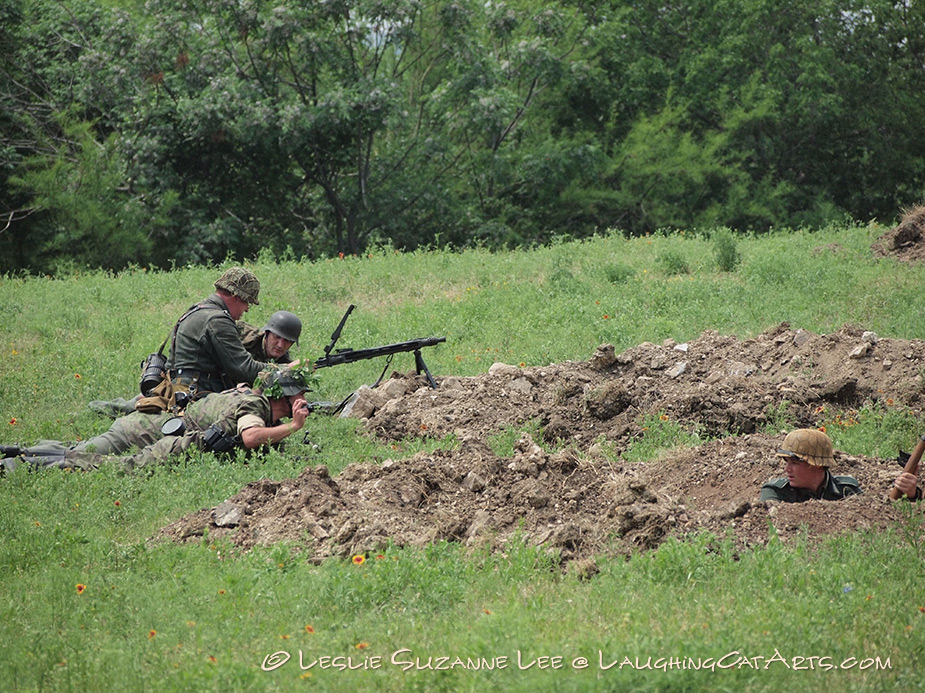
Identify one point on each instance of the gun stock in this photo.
(912, 465)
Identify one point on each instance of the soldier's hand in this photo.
(906, 482)
(300, 411)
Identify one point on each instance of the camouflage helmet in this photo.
(284, 382)
(809, 445)
(240, 282)
(284, 324)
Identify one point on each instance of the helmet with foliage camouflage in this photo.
(284, 324)
(240, 282)
(285, 382)
(809, 445)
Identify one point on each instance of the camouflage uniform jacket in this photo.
(252, 339)
(833, 488)
(207, 348)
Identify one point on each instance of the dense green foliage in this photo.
(158, 616)
(186, 132)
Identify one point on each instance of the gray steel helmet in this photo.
(240, 282)
(284, 324)
(284, 382)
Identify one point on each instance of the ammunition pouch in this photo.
(217, 441)
(168, 395)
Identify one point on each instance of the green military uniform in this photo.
(832, 488)
(206, 349)
(232, 412)
(252, 339)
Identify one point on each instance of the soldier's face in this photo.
(801, 474)
(276, 346)
(236, 307)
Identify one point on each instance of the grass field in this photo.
(89, 603)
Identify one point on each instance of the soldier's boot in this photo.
(112, 408)
(9, 450)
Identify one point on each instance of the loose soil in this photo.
(567, 487)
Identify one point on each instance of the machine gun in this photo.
(341, 356)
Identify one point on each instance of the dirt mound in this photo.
(905, 241)
(585, 499)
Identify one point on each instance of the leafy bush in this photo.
(673, 263)
(725, 250)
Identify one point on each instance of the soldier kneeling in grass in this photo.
(807, 455)
(220, 423)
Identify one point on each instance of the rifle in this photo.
(340, 356)
(911, 467)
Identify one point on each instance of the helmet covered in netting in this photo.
(240, 282)
(285, 382)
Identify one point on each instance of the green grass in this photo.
(204, 616)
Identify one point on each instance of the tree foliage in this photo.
(194, 130)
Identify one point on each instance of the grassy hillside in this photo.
(88, 603)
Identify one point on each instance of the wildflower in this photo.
(284, 637)
(38, 524)
(487, 611)
(922, 609)
(306, 675)
(362, 645)
(663, 417)
(15, 352)
(379, 557)
(221, 591)
(869, 597)
(340, 255)
(889, 402)
(13, 421)
(117, 503)
(80, 588)
(821, 428)
(606, 317)
(309, 629)
(151, 634)
(212, 659)
(523, 364)
(76, 376)
(847, 589)
(359, 559)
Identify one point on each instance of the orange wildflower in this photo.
(81, 588)
(151, 634)
(309, 629)
(362, 645)
(359, 559)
